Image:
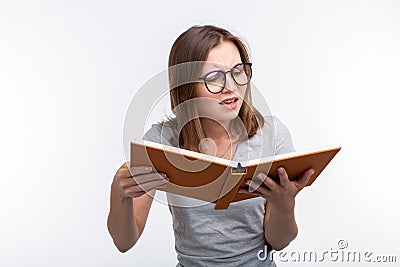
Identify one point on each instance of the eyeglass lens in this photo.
(215, 81)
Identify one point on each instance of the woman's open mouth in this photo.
(230, 103)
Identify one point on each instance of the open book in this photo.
(218, 180)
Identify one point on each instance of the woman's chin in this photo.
(221, 114)
(228, 116)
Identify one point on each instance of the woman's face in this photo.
(219, 106)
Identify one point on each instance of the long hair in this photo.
(194, 45)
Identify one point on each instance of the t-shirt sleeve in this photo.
(161, 134)
(153, 134)
(283, 139)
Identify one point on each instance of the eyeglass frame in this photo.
(231, 71)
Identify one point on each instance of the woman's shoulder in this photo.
(272, 122)
(276, 129)
(162, 132)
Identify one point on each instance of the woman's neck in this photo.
(216, 130)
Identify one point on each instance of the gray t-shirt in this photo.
(230, 237)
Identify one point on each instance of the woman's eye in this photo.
(237, 73)
(212, 77)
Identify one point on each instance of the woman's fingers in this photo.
(301, 183)
(134, 181)
(260, 179)
(139, 189)
(246, 191)
(149, 177)
(283, 176)
(271, 184)
(137, 170)
(261, 184)
(126, 171)
(139, 179)
(264, 186)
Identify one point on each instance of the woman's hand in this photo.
(278, 194)
(131, 182)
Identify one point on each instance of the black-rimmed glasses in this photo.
(215, 80)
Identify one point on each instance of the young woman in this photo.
(223, 122)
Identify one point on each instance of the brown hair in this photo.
(194, 45)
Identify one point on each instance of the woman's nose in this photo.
(230, 84)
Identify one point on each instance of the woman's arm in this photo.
(123, 226)
(280, 226)
(130, 204)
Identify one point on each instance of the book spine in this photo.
(239, 169)
(231, 186)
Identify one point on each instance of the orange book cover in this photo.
(218, 180)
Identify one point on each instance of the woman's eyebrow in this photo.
(217, 65)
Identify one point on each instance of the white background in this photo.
(330, 70)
